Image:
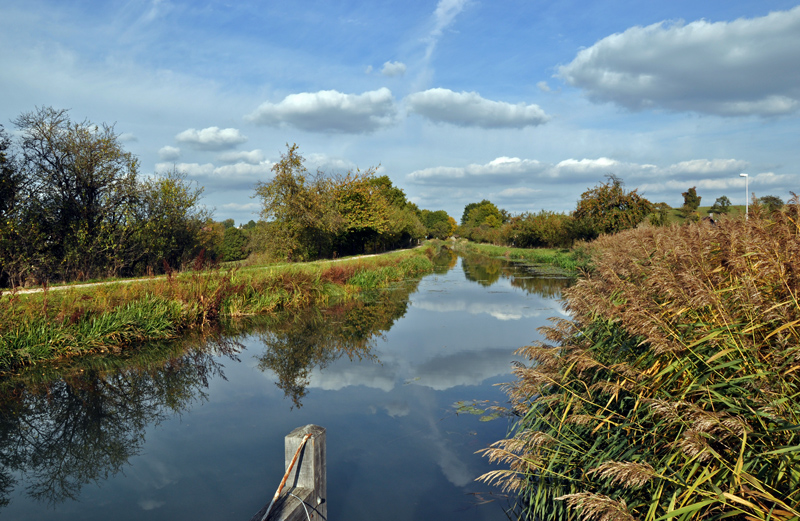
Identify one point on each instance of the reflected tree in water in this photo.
(482, 269)
(317, 337)
(85, 426)
(545, 286)
(487, 271)
(444, 261)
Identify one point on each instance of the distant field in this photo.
(733, 211)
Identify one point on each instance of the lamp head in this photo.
(742, 175)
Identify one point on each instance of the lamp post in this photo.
(746, 191)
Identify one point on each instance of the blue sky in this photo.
(526, 103)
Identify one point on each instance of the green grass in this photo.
(570, 261)
(703, 211)
(114, 317)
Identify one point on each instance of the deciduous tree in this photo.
(608, 208)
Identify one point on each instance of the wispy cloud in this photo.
(446, 11)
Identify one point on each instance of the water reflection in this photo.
(63, 428)
(84, 426)
(487, 271)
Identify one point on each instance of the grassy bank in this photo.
(571, 261)
(674, 391)
(114, 317)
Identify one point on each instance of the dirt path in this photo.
(131, 281)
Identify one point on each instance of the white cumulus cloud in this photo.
(169, 153)
(469, 109)
(252, 157)
(739, 68)
(392, 69)
(330, 111)
(211, 138)
(238, 175)
(502, 169)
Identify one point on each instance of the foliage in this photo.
(772, 202)
(673, 391)
(74, 207)
(722, 205)
(300, 208)
(608, 208)
(234, 245)
(310, 216)
(482, 221)
(691, 202)
(438, 225)
(540, 230)
(660, 215)
(691, 199)
(168, 221)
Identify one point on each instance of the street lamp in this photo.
(746, 191)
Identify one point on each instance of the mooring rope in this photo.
(286, 476)
(308, 516)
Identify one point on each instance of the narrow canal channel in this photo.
(198, 434)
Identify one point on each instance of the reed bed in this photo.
(114, 317)
(673, 391)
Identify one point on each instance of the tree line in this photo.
(604, 209)
(74, 206)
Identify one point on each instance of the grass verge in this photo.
(571, 262)
(113, 317)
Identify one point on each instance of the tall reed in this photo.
(674, 391)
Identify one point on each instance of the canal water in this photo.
(399, 381)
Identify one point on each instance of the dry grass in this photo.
(674, 391)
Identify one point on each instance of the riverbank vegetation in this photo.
(605, 208)
(570, 261)
(118, 316)
(674, 390)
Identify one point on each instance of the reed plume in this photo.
(674, 391)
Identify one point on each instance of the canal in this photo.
(404, 382)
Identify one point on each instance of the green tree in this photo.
(691, 199)
(85, 191)
(300, 207)
(169, 222)
(73, 206)
(13, 254)
(608, 208)
(437, 224)
(691, 202)
(772, 202)
(484, 213)
(362, 211)
(721, 205)
(660, 215)
(234, 245)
